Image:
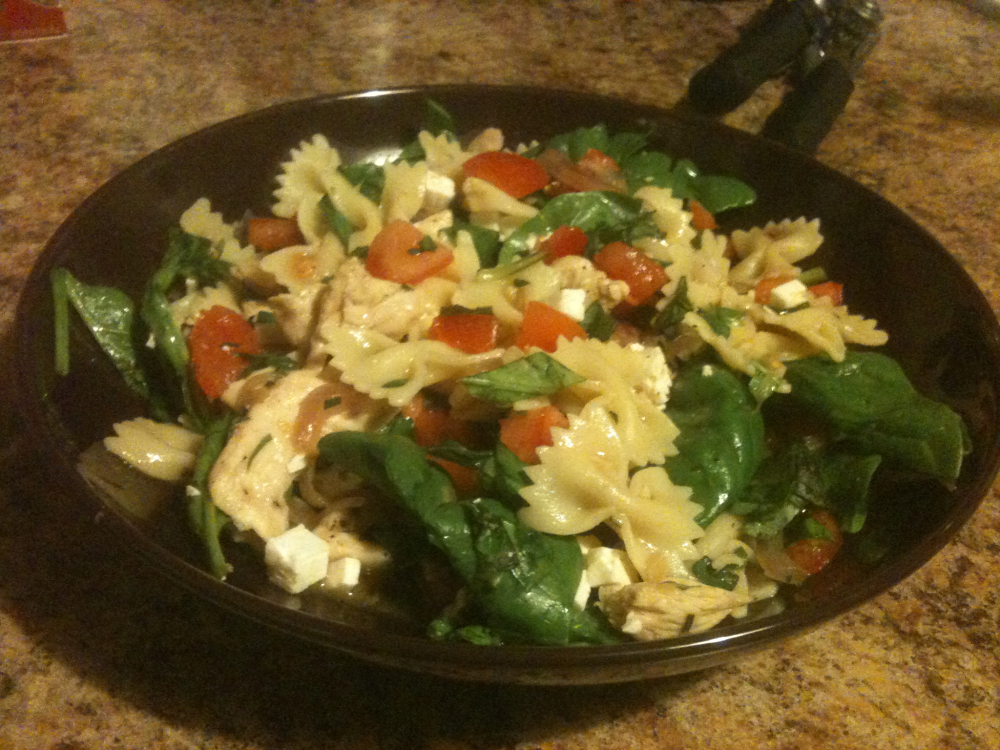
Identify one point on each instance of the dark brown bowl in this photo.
(941, 330)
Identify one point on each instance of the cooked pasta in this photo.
(553, 383)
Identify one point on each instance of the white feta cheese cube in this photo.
(344, 573)
(790, 294)
(582, 592)
(297, 463)
(658, 378)
(606, 565)
(296, 559)
(572, 302)
(440, 192)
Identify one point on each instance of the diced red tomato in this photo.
(434, 424)
(762, 292)
(623, 262)
(464, 478)
(217, 339)
(270, 233)
(700, 217)
(566, 240)
(830, 289)
(516, 175)
(543, 325)
(524, 432)
(472, 333)
(395, 255)
(430, 424)
(812, 555)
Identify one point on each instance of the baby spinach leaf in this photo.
(724, 578)
(592, 212)
(721, 440)
(205, 517)
(577, 143)
(522, 582)
(799, 475)
(718, 193)
(501, 472)
(537, 374)
(871, 403)
(110, 316)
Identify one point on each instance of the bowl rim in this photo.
(524, 663)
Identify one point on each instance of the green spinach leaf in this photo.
(870, 403)
(721, 440)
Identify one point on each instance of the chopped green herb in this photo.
(675, 310)
(282, 364)
(260, 446)
(332, 402)
(813, 276)
(361, 251)
(265, 318)
(398, 383)
(460, 310)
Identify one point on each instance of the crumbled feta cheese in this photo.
(582, 595)
(440, 192)
(632, 624)
(606, 565)
(344, 573)
(790, 294)
(658, 379)
(296, 559)
(707, 371)
(572, 302)
(297, 463)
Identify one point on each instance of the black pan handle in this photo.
(807, 112)
(768, 46)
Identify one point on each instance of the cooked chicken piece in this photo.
(267, 450)
(650, 611)
(341, 527)
(577, 272)
(357, 298)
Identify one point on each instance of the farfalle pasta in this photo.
(534, 382)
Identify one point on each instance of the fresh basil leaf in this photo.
(813, 276)
(872, 405)
(721, 440)
(679, 305)
(486, 241)
(340, 224)
(368, 178)
(721, 319)
(724, 578)
(597, 322)
(538, 374)
(449, 310)
(109, 314)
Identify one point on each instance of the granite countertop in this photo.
(96, 651)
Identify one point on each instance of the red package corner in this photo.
(22, 20)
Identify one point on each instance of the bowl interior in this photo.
(941, 330)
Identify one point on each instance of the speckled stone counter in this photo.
(96, 651)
